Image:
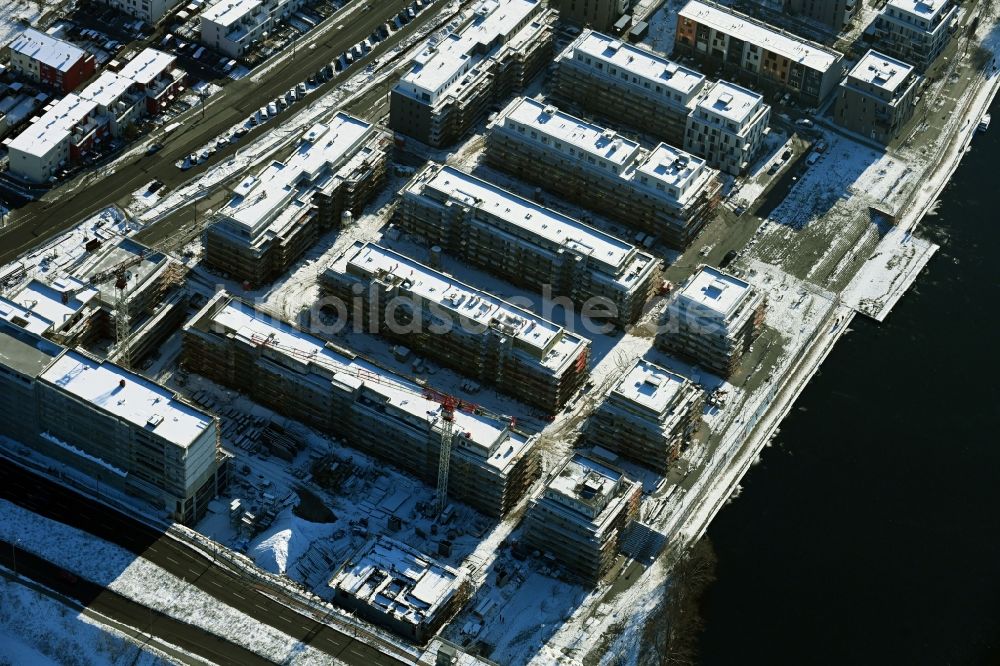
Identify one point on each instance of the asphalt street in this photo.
(57, 502)
(64, 207)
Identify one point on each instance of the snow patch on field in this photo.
(37, 630)
(16, 15)
(145, 583)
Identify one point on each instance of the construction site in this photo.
(377, 404)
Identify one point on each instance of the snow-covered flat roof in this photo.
(440, 67)
(552, 344)
(399, 581)
(547, 120)
(128, 396)
(54, 126)
(52, 303)
(925, 9)
(731, 101)
(107, 89)
(261, 330)
(712, 290)
(650, 385)
(146, 66)
(258, 199)
(881, 71)
(644, 64)
(56, 53)
(525, 214)
(585, 482)
(673, 167)
(228, 12)
(761, 34)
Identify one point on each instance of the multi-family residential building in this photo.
(597, 14)
(712, 320)
(400, 588)
(51, 61)
(527, 243)
(80, 122)
(756, 53)
(372, 409)
(664, 192)
(453, 83)
(915, 31)
(581, 515)
(627, 84)
(647, 416)
(727, 126)
(459, 326)
(877, 97)
(274, 217)
(150, 11)
(119, 428)
(233, 27)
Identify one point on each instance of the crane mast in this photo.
(444, 458)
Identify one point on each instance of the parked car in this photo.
(728, 259)
(153, 149)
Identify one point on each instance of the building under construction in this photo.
(664, 192)
(712, 320)
(628, 84)
(274, 217)
(471, 331)
(119, 428)
(489, 465)
(122, 291)
(400, 588)
(454, 82)
(647, 416)
(581, 515)
(527, 243)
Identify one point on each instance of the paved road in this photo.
(41, 220)
(125, 611)
(56, 502)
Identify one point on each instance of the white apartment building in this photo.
(728, 126)
(915, 31)
(234, 26)
(451, 83)
(646, 416)
(664, 191)
(712, 320)
(150, 11)
(626, 83)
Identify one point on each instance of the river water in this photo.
(869, 533)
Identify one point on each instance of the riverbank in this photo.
(882, 557)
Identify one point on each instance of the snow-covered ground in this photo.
(16, 15)
(137, 579)
(663, 27)
(38, 630)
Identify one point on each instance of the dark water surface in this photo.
(870, 533)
